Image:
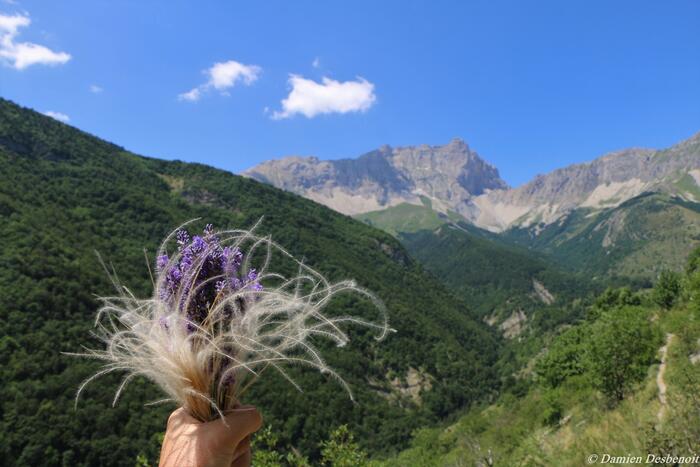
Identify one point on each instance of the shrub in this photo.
(622, 345)
(667, 289)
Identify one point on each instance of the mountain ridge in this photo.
(473, 188)
(449, 175)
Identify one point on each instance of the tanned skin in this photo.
(219, 443)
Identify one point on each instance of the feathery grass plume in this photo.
(214, 323)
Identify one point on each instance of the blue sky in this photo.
(531, 86)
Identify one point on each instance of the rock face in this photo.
(449, 176)
(603, 183)
(453, 177)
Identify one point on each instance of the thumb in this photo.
(242, 422)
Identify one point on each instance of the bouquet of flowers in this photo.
(214, 322)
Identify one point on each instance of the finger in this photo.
(182, 417)
(243, 460)
(177, 416)
(242, 447)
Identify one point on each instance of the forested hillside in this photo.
(522, 294)
(634, 240)
(622, 382)
(64, 194)
(496, 278)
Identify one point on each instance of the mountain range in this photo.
(454, 178)
(629, 214)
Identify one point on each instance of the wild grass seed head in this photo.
(214, 322)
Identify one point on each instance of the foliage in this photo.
(622, 346)
(667, 289)
(565, 357)
(264, 448)
(500, 281)
(692, 264)
(614, 351)
(267, 453)
(553, 410)
(565, 424)
(64, 194)
(633, 241)
(341, 450)
(614, 298)
(496, 278)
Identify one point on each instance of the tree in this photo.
(341, 450)
(612, 298)
(667, 289)
(621, 347)
(564, 358)
(692, 264)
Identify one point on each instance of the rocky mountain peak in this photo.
(458, 144)
(448, 175)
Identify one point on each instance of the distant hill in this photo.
(507, 285)
(409, 218)
(65, 193)
(634, 240)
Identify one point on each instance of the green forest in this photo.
(65, 194)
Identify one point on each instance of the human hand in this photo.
(191, 443)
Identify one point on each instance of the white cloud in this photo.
(192, 95)
(316, 63)
(222, 76)
(21, 55)
(95, 89)
(58, 116)
(10, 24)
(310, 98)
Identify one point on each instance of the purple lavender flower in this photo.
(252, 280)
(183, 238)
(198, 245)
(236, 283)
(237, 256)
(204, 273)
(162, 262)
